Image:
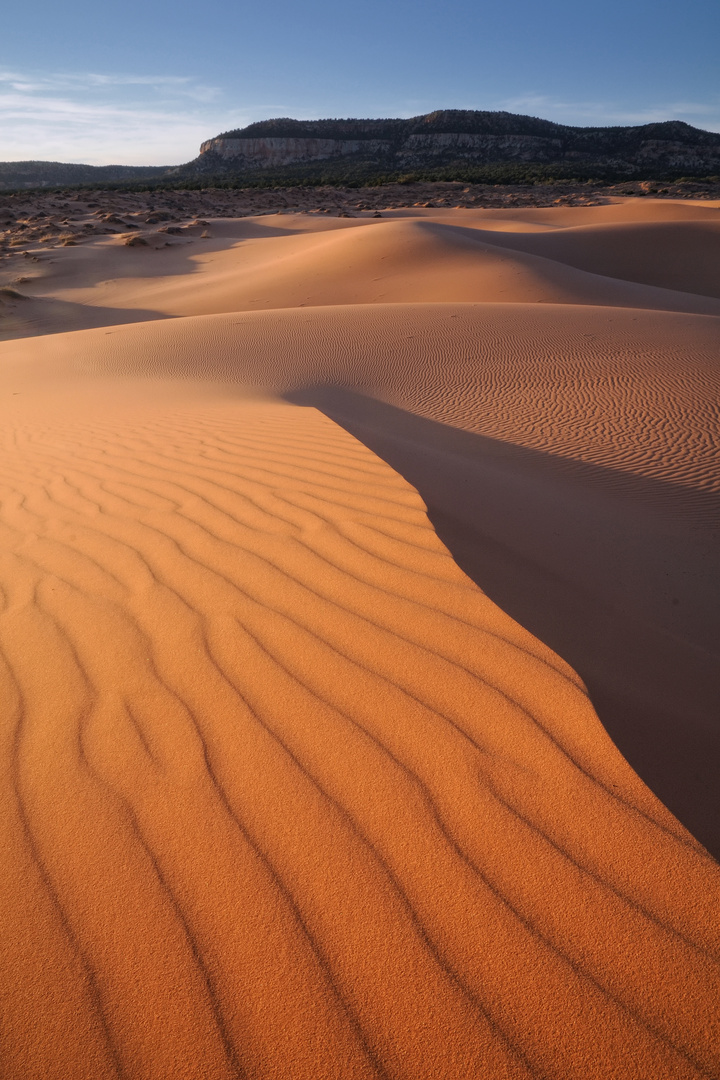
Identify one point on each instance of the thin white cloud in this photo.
(77, 82)
(108, 118)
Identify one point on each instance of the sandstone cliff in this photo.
(456, 136)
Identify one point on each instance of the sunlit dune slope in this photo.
(286, 796)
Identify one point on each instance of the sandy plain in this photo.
(359, 641)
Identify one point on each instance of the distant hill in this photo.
(23, 174)
(497, 147)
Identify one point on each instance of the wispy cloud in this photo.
(704, 115)
(109, 118)
(76, 82)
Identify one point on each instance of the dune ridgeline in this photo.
(359, 636)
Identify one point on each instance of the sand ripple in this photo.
(287, 796)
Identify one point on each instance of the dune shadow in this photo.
(38, 316)
(619, 574)
(545, 256)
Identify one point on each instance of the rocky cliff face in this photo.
(456, 136)
(268, 151)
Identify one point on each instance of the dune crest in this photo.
(285, 793)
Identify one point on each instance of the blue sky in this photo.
(145, 82)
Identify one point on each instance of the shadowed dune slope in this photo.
(669, 255)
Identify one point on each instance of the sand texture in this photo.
(360, 648)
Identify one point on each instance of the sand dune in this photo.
(285, 794)
(294, 260)
(398, 262)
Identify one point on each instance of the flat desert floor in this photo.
(360, 644)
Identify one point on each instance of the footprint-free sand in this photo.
(360, 648)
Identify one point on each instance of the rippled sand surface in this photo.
(315, 626)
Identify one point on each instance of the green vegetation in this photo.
(495, 175)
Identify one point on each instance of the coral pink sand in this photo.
(316, 622)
